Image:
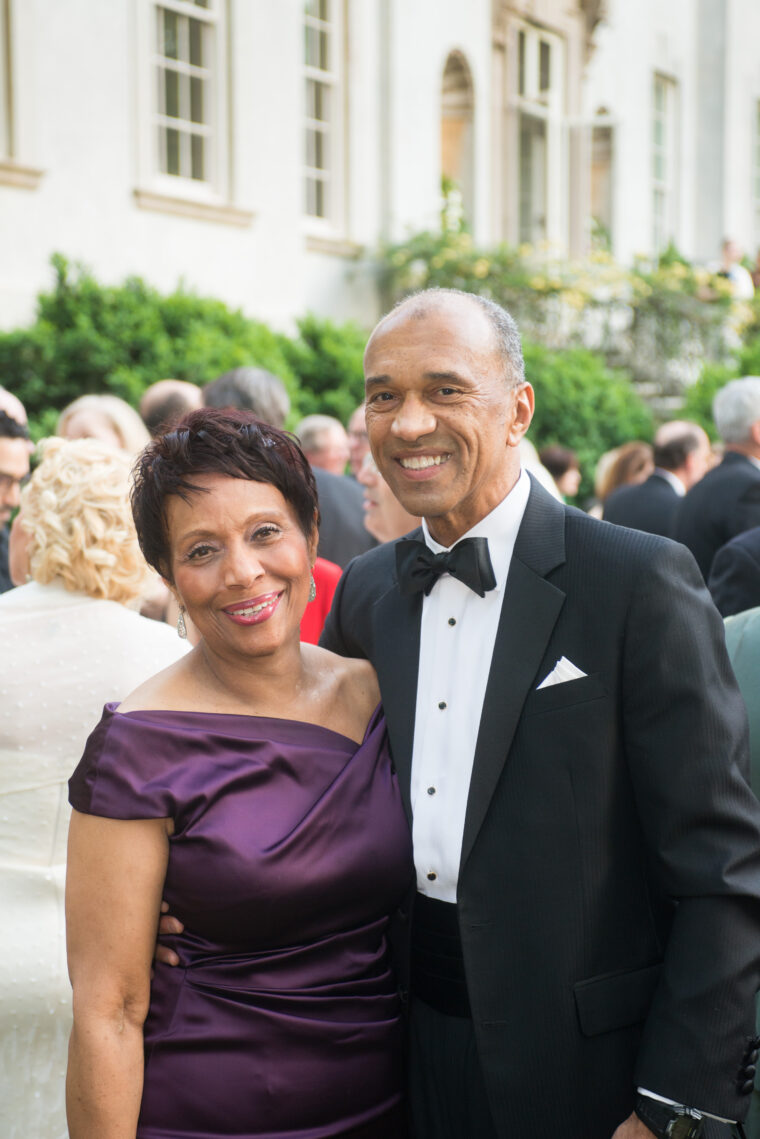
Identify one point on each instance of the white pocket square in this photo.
(563, 671)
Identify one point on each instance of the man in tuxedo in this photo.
(571, 749)
(734, 580)
(681, 458)
(726, 502)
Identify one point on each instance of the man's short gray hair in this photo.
(736, 407)
(250, 389)
(503, 325)
(313, 430)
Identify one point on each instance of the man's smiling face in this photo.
(443, 419)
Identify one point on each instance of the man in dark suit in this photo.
(735, 574)
(342, 533)
(681, 458)
(572, 753)
(726, 502)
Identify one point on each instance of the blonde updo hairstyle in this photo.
(76, 512)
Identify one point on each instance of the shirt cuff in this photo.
(672, 1103)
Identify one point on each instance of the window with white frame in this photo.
(323, 54)
(664, 139)
(540, 104)
(188, 109)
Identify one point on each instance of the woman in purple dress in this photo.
(250, 786)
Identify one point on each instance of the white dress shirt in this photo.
(457, 637)
(674, 480)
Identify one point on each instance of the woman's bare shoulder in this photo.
(353, 688)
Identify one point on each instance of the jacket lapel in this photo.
(529, 612)
(396, 630)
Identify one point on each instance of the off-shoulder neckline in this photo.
(111, 708)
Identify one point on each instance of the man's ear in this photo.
(522, 413)
(755, 432)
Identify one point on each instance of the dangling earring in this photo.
(181, 626)
(312, 589)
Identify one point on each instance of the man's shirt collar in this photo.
(500, 527)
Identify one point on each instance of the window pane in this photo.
(659, 167)
(533, 203)
(317, 100)
(521, 63)
(196, 100)
(196, 43)
(197, 155)
(171, 35)
(319, 9)
(658, 132)
(317, 49)
(172, 151)
(316, 198)
(544, 80)
(659, 95)
(171, 94)
(316, 150)
(201, 3)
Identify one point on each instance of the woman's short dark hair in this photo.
(214, 441)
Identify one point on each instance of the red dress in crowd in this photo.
(326, 577)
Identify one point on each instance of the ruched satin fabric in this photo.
(290, 851)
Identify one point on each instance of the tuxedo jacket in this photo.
(608, 894)
(649, 506)
(735, 574)
(726, 502)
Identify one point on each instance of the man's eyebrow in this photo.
(450, 376)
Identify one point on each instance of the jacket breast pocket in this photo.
(564, 695)
(615, 1000)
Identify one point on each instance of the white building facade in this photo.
(261, 150)
(672, 96)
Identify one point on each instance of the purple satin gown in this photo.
(290, 851)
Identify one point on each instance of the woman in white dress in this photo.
(69, 645)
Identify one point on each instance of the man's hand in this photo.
(164, 955)
(633, 1128)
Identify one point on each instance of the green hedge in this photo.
(582, 404)
(697, 404)
(120, 338)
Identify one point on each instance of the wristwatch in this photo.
(667, 1121)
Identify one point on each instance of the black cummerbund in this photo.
(437, 964)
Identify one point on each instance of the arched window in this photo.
(457, 134)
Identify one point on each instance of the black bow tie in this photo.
(418, 568)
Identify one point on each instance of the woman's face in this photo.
(384, 516)
(241, 565)
(90, 424)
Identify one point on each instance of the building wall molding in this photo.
(21, 177)
(221, 213)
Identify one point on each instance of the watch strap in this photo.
(666, 1121)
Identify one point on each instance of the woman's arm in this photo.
(114, 879)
